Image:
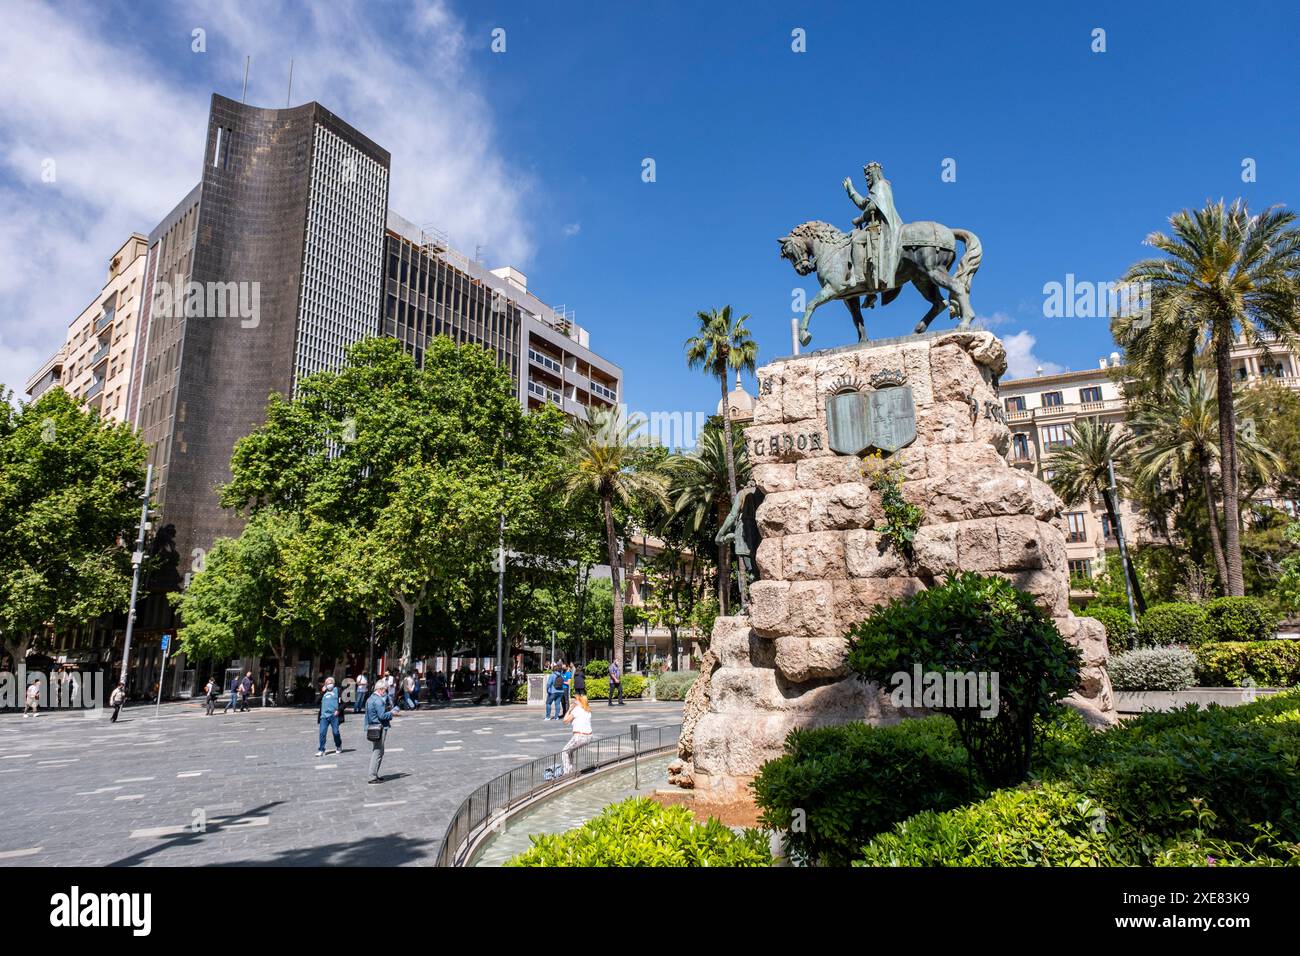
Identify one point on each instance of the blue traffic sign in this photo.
(166, 642)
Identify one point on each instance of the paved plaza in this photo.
(88, 792)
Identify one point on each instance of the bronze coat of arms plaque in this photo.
(858, 421)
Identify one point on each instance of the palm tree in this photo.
(723, 345)
(1177, 437)
(1223, 272)
(1081, 472)
(700, 489)
(601, 459)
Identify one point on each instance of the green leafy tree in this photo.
(723, 345)
(602, 463)
(70, 486)
(1222, 272)
(257, 595)
(402, 476)
(1081, 473)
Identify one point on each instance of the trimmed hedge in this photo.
(1240, 619)
(1121, 633)
(1153, 668)
(674, 685)
(1266, 663)
(836, 787)
(1173, 623)
(1188, 787)
(1048, 825)
(596, 669)
(640, 832)
(634, 685)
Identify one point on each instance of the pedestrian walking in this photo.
(550, 693)
(33, 704)
(615, 683)
(568, 686)
(117, 699)
(210, 692)
(245, 691)
(379, 716)
(234, 695)
(580, 716)
(327, 716)
(360, 702)
(408, 688)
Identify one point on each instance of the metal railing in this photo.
(529, 780)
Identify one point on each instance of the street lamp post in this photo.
(501, 592)
(137, 558)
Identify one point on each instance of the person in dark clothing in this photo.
(615, 683)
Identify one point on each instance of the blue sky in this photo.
(1065, 158)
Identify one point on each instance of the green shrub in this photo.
(1173, 623)
(1221, 770)
(521, 693)
(674, 685)
(1153, 668)
(640, 832)
(1240, 619)
(1042, 825)
(836, 787)
(978, 624)
(1265, 663)
(596, 669)
(1120, 630)
(634, 685)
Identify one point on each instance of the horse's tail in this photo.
(970, 260)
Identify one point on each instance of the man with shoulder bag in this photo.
(379, 715)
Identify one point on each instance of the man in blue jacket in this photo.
(328, 716)
(379, 714)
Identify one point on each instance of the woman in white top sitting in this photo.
(580, 716)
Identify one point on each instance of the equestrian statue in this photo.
(880, 256)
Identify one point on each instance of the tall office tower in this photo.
(264, 274)
(94, 361)
(430, 289)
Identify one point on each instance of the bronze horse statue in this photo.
(928, 250)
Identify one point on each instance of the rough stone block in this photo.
(816, 556)
(801, 659)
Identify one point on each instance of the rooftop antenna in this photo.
(244, 94)
(289, 96)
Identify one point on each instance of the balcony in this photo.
(100, 354)
(545, 394)
(1018, 414)
(546, 362)
(96, 387)
(105, 320)
(606, 393)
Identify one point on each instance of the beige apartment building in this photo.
(94, 362)
(1042, 409)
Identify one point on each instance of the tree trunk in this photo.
(283, 658)
(408, 632)
(1236, 586)
(612, 545)
(731, 485)
(1216, 543)
(724, 568)
(1129, 570)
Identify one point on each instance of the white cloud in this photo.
(1021, 360)
(993, 321)
(126, 134)
(572, 229)
(407, 86)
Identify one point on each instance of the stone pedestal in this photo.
(820, 568)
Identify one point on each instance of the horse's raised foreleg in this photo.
(825, 295)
